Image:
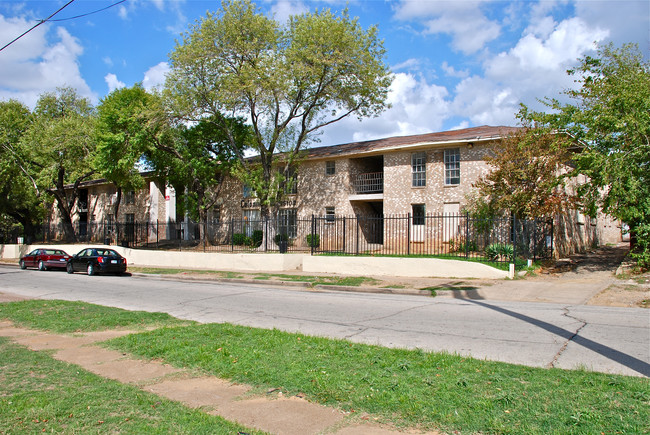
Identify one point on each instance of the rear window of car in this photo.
(108, 253)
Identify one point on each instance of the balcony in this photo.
(365, 184)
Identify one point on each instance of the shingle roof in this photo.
(465, 135)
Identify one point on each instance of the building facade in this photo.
(415, 176)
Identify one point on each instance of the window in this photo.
(419, 169)
(452, 166)
(330, 214)
(291, 182)
(418, 214)
(129, 197)
(214, 214)
(247, 191)
(288, 222)
(330, 167)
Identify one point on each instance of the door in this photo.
(418, 223)
(451, 220)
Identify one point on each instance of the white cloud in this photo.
(453, 72)
(534, 68)
(417, 107)
(470, 29)
(41, 61)
(113, 83)
(155, 76)
(626, 20)
(283, 9)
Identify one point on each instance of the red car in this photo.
(45, 259)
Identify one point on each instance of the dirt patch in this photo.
(626, 293)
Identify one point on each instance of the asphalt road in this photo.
(605, 339)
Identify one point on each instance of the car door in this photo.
(32, 258)
(79, 263)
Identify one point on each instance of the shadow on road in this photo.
(628, 361)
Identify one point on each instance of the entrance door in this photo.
(451, 220)
(418, 224)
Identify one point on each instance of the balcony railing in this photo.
(369, 183)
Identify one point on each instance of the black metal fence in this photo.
(500, 240)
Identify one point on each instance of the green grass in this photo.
(353, 281)
(40, 394)
(408, 387)
(172, 271)
(66, 317)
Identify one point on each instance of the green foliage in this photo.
(281, 237)
(240, 239)
(525, 175)
(313, 240)
(462, 245)
(61, 148)
(20, 195)
(257, 238)
(290, 80)
(611, 117)
(641, 252)
(499, 252)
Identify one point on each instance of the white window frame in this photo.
(452, 166)
(419, 169)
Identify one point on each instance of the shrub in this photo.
(256, 239)
(313, 240)
(240, 239)
(281, 238)
(499, 251)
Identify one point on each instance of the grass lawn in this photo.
(40, 394)
(407, 387)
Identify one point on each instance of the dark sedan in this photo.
(97, 260)
(45, 259)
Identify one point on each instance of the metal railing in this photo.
(459, 236)
(369, 183)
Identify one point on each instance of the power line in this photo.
(36, 25)
(88, 13)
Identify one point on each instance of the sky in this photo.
(455, 64)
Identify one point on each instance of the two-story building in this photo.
(418, 175)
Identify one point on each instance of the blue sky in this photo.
(455, 63)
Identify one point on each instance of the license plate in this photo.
(61, 259)
(113, 261)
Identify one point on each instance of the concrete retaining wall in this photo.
(273, 262)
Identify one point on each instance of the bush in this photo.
(256, 240)
(240, 239)
(499, 251)
(460, 245)
(281, 238)
(641, 250)
(313, 240)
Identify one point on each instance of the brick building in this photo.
(419, 175)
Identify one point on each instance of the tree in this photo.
(20, 196)
(611, 116)
(59, 143)
(287, 81)
(527, 175)
(122, 140)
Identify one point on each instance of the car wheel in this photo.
(41, 265)
(23, 265)
(69, 268)
(91, 269)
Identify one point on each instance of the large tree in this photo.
(528, 175)
(610, 114)
(122, 139)
(20, 196)
(288, 81)
(60, 145)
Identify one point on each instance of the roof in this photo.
(473, 134)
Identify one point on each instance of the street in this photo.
(605, 339)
